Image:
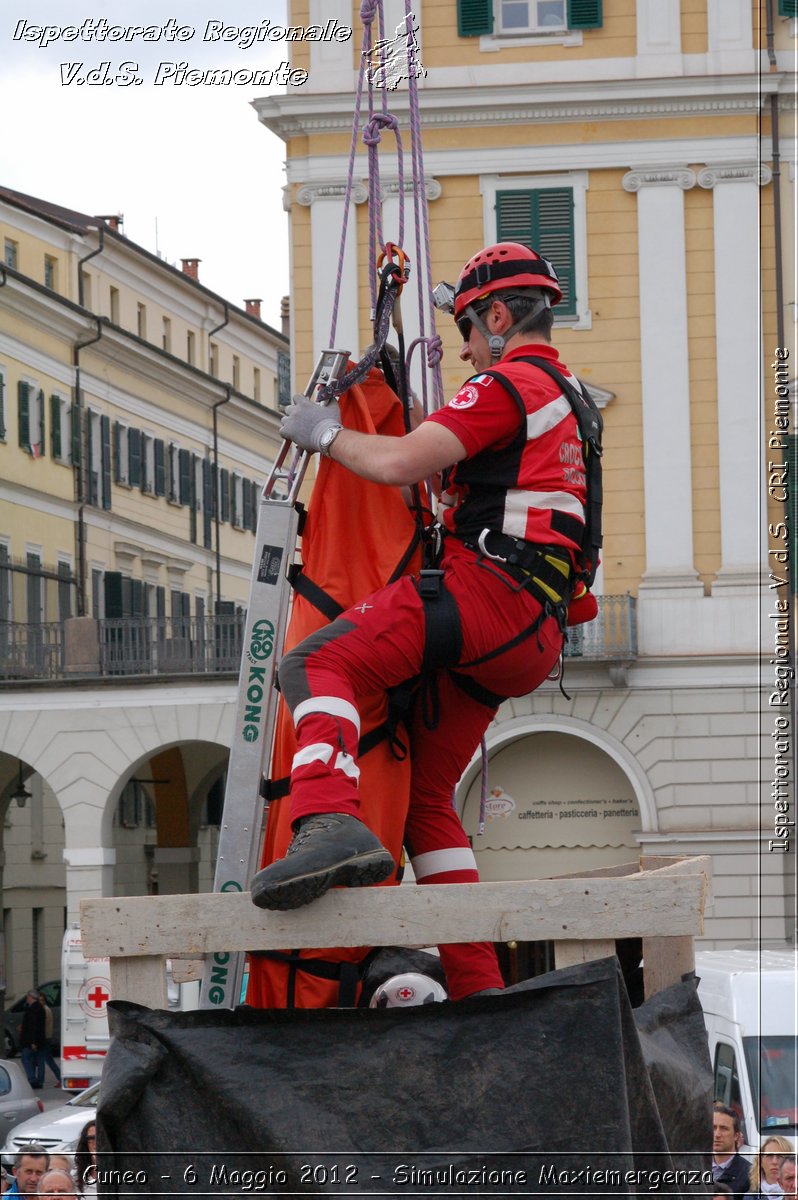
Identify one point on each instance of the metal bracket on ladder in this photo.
(256, 709)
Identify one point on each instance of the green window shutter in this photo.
(160, 467)
(255, 501)
(55, 426)
(184, 460)
(474, 17)
(788, 8)
(2, 407)
(23, 409)
(246, 504)
(585, 14)
(225, 498)
(134, 457)
(207, 503)
(137, 602)
(75, 423)
(544, 221)
(41, 445)
(112, 584)
(105, 460)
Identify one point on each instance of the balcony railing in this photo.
(34, 651)
(611, 637)
(171, 646)
(212, 645)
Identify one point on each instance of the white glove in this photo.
(304, 422)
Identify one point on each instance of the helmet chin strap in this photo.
(497, 341)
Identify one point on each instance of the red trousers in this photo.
(378, 644)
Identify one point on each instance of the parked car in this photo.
(12, 1017)
(57, 1129)
(17, 1100)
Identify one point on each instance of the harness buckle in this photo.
(430, 583)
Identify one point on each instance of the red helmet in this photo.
(503, 266)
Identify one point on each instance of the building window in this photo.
(141, 320)
(11, 253)
(85, 294)
(213, 359)
(50, 272)
(31, 419)
(99, 460)
(6, 590)
(548, 214)
(34, 588)
(236, 371)
(64, 569)
(121, 453)
(60, 428)
(237, 501)
(173, 473)
(97, 593)
(531, 16)
(147, 464)
(114, 304)
(167, 335)
(190, 348)
(256, 384)
(512, 18)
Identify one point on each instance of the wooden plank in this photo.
(569, 954)
(186, 970)
(632, 868)
(665, 961)
(530, 910)
(142, 978)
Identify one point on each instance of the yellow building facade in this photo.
(139, 416)
(647, 147)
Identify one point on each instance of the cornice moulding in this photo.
(295, 115)
(753, 172)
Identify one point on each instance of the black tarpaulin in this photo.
(543, 1089)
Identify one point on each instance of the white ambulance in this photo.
(749, 1003)
(85, 992)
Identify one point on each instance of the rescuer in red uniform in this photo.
(487, 626)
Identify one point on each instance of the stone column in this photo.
(665, 379)
(326, 203)
(735, 191)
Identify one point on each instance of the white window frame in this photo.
(148, 462)
(172, 467)
(533, 36)
(123, 431)
(579, 182)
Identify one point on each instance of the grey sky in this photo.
(190, 167)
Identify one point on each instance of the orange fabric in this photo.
(356, 533)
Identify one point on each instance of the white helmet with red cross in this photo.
(407, 990)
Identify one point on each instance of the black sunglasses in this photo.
(465, 324)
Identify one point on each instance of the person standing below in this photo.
(489, 626)
(764, 1180)
(787, 1177)
(49, 1059)
(29, 1166)
(86, 1160)
(728, 1166)
(32, 1039)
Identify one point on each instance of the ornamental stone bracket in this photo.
(390, 187)
(310, 192)
(642, 177)
(751, 172)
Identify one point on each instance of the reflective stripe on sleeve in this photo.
(331, 706)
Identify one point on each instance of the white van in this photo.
(749, 1003)
(85, 992)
